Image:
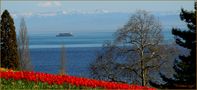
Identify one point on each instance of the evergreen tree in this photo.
(9, 54)
(185, 66)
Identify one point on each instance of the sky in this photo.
(28, 8)
(87, 14)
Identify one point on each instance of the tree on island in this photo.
(9, 53)
(185, 66)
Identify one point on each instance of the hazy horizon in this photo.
(90, 16)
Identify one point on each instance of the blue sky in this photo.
(50, 7)
(57, 16)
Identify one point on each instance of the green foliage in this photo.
(185, 66)
(9, 54)
(7, 84)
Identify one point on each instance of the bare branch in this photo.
(23, 47)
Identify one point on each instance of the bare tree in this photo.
(143, 32)
(23, 47)
(104, 67)
(136, 52)
(62, 61)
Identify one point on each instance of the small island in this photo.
(69, 34)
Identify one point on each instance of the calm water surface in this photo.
(80, 51)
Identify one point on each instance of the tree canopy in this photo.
(9, 53)
(185, 66)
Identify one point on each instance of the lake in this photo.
(80, 51)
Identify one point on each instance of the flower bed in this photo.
(51, 79)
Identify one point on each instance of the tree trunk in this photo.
(142, 68)
(62, 61)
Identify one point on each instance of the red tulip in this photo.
(56, 79)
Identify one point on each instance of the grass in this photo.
(7, 84)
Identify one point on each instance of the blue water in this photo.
(91, 39)
(77, 60)
(80, 51)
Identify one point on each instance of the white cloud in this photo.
(62, 12)
(27, 14)
(45, 4)
(78, 11)
(101, 11)
(47, 14)
(14, 15)
(57, 3)
(49, 3)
